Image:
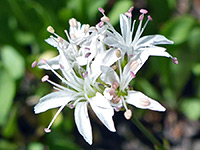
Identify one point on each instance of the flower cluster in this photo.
(97, 64)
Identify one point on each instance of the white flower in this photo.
(119, 94)
(81, 86)
(137, 44)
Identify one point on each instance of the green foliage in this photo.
(7, 93)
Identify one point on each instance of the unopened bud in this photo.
(50, 29)
(128, 114)
(72, 22)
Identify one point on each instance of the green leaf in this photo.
(191, 108)
(10, 127)
(178, 29)
(94, 5)
(7, 92)
(194, 39)
(7, 145)
(196, 69)
(13, 62)
(119, 8)
(35, 146)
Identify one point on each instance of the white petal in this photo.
(83, 122)
(52, 41)
(53, 62)
(103, 110)
(106, 58)
(109, 76)
(157, 51)
(142, 101)
(124, 25)
(53, 100)
(152, 40)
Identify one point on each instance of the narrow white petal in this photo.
(142, 101)
(103, 110)
(106, 58)
(109, 76)
(83, 122)
(53, 63)
(151, 40)
(53, 100)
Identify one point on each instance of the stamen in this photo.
(128, 14)
(56, 85)
(50, 29)
(149, 17)
(87, 26)
(132, 75)
(43, 60)
(134, 65)
(87, 55)
(34, 64)
(117, 109)
(101, 23)
(143, 11)
(141, 17)
(60, 40)
(71, 106)
(45, 78)
(112, 91)
(61, 66)
(105, 19)
(73, 36)
(47, 130)
(72, 22)
(101, 10)
(128, 114)
(115, 85)
(131, 9)
(116, 100)
(144, 102)
(175, 60)
(85, 74)
(118, 53)
(87, 48)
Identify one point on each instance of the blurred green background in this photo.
(23, 26)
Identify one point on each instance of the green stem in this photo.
(157, 144)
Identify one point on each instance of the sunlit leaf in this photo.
(120, 7)
(7, 92)
(194, 38)
(10, 127)
(178, 29)
(35, 146)
(7, 145)
(13, 62)
(191, 108)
